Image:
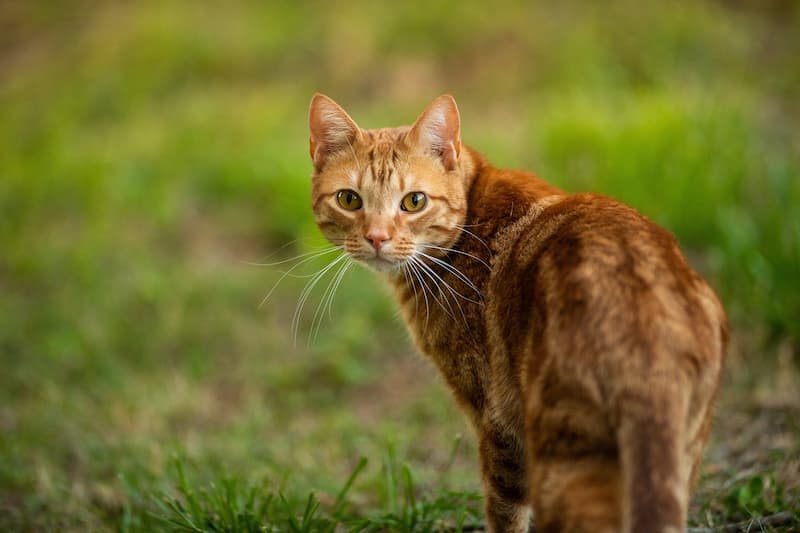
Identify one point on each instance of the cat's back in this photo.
(602, 256)
(589, 275)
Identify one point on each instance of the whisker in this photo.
(465, 230)
(434, 276)
(341, 274)
(460, 275)
(484, 263)
(444, 294)
(470, 225)
(415, 274)
(314, 255)
(425, 270)
(327, 300)
(295, 326)
(322, 251)
(321, 305)
(307, 291)
(280, 249)
(410, 283)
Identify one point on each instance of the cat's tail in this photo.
(655, 485)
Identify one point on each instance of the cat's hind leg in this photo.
(580, 495)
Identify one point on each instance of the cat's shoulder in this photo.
(595, 212)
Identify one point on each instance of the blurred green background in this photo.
(151, 152)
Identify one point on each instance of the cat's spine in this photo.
(654, 477)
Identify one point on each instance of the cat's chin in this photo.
(380, 264)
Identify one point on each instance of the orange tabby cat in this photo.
(582, 347)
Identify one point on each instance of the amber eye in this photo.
(349, 200)
(413, 201)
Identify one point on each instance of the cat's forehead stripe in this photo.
(382, 159)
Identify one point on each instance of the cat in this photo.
(584, 350)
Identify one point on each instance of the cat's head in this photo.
(390, 194)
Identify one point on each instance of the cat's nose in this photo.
(377, 239)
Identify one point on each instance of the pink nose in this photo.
(377, 239)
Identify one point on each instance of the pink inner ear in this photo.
(449, 155)
(438, 131)
(331, 127)
(311, 146)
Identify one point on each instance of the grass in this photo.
(231, 506)
(152, 151)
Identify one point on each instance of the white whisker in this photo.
(465, 230)
(484, 263)
(326, 301)
(321, 305)
(414, 271)
(340, 277)
(309, 257)
(460, 275)
(410, 283)
(434, 277)
(470, 225)
(307, 291)
(426, 270)
(315, 253)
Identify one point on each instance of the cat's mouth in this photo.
(385, 259)
(383, 264)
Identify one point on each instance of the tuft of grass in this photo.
(233, 506)
(748, 498)
(754, 497)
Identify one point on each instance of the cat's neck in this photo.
(471, 164)
(498, 197)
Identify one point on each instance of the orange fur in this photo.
(582, 347)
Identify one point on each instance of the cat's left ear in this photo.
(437, 131)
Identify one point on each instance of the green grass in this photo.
(232, 506)
(151, 152)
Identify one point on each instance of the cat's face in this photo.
(387, 195)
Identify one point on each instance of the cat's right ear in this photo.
(331, 128)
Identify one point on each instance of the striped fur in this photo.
(583, 349)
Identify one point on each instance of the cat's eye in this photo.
(413, 201)
(349, 200)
